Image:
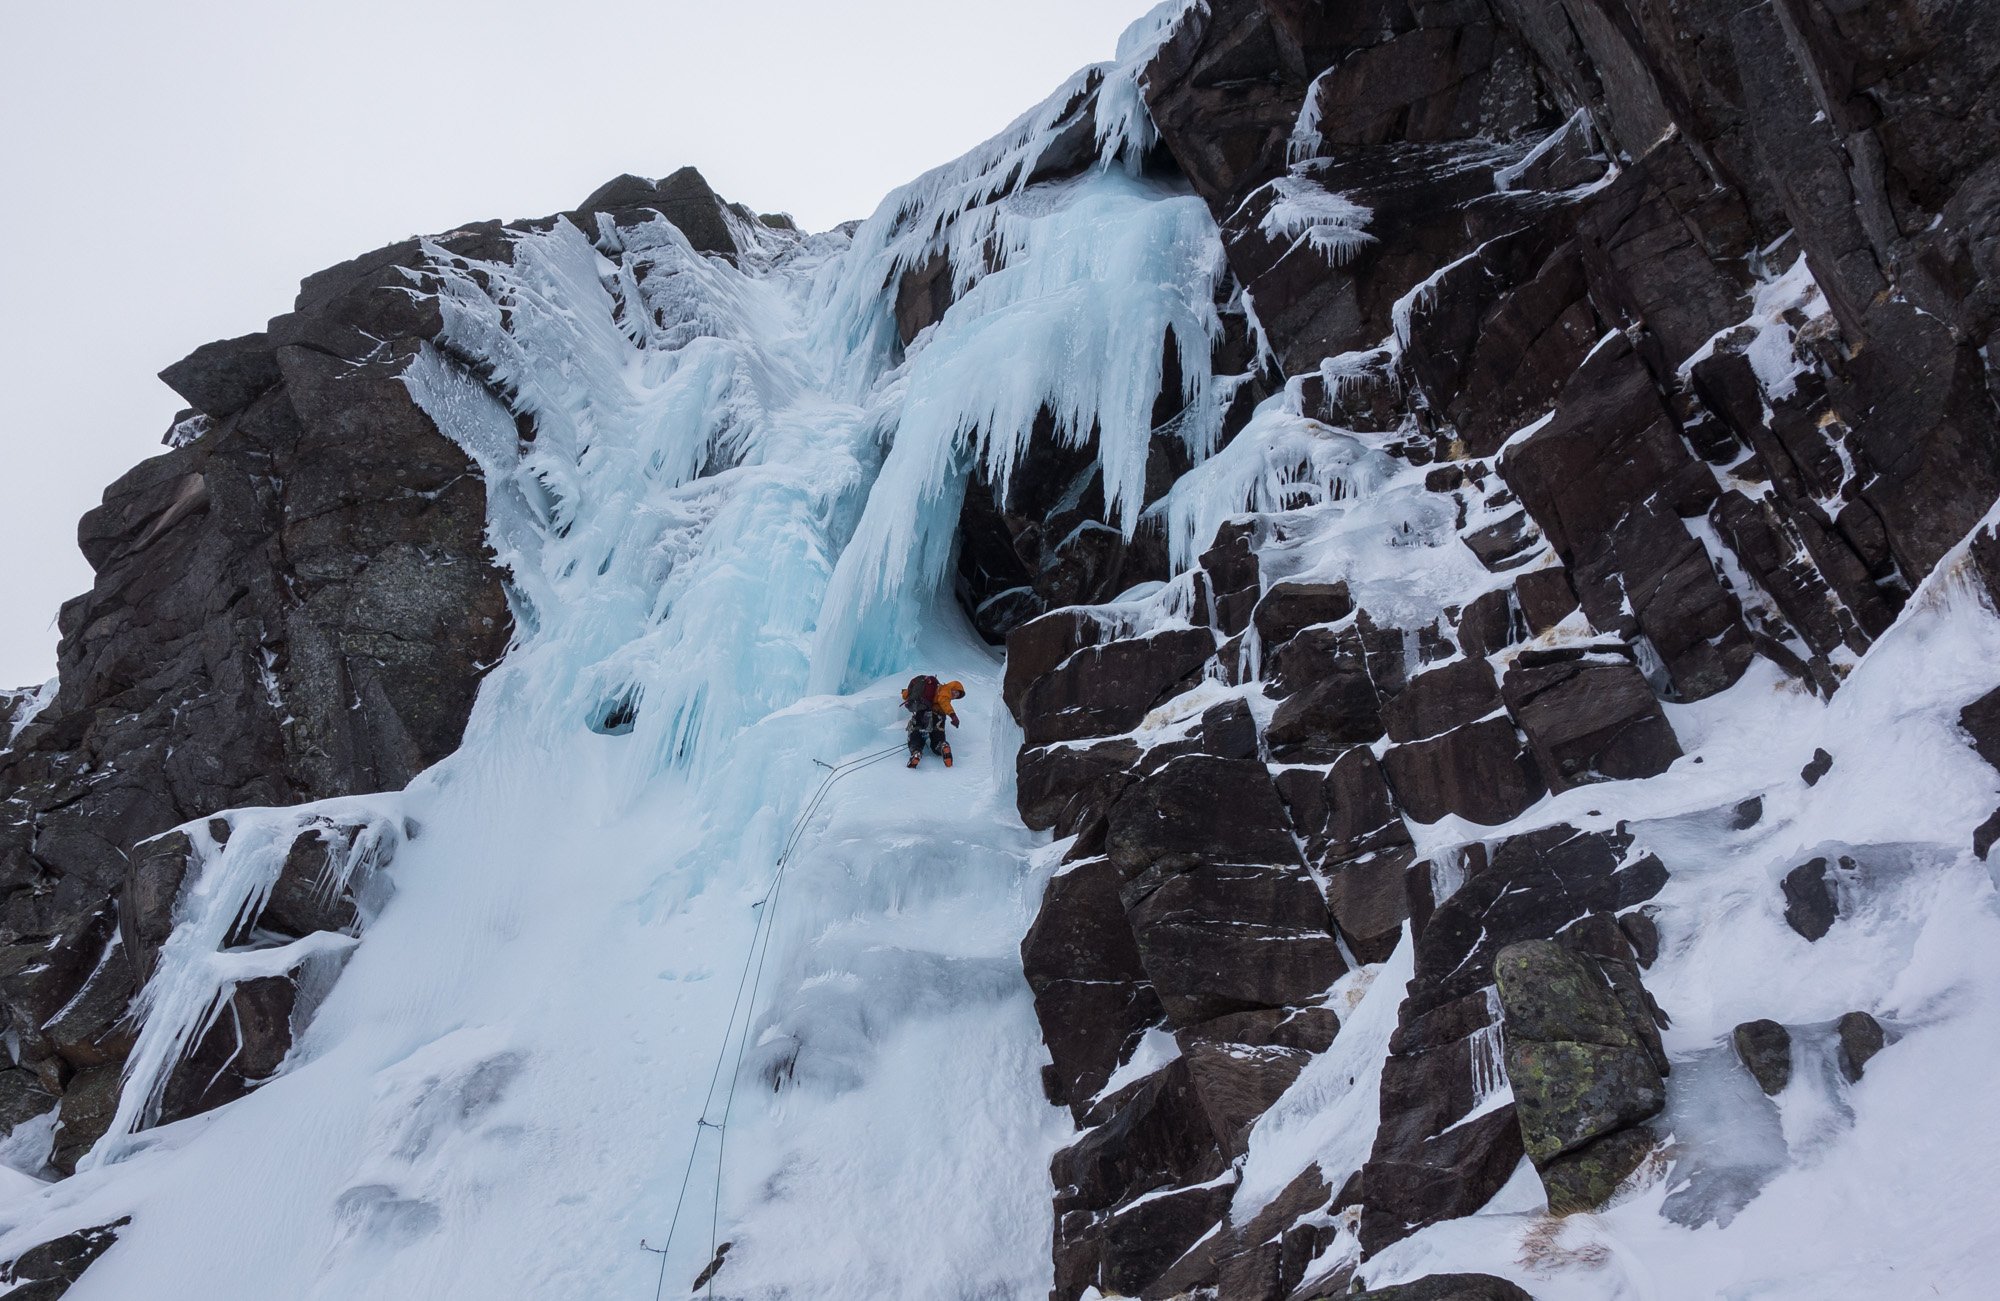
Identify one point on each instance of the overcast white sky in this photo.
(168, 172)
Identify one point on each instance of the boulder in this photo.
(1643, 933)
(92, 1027)
(1238, 1083)
(153, 878)
(1489, 624)
(222, 378)
(1820, 765)
(1585, 1178)
(683, 198)
(1231, 564)
(1648, 574)
(1304, 1029)
(1579, 1071)
(1482, 772)
(1529, 887)
(1766, 1050)
(1811, 906)
(1610, 446)
(22, 1098)
(1368, 902)
(1493, 362)
(237, 1052)
(1591, 720)
(1981, 721)
(1262, 1259)
(1228, 730)
(305, 897)
(89, 1102)
(1986, 834)
(1158, 1138)
(1451, 1174)
(65, 996)
(1861, 1038)
(1507, 543)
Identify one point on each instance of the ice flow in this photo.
(726, 542)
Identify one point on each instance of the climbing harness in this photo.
(752, 978)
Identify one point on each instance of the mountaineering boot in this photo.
(946, 752)
(916, 759)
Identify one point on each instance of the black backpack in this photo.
(921, 695)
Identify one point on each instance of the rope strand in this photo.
(753, 965)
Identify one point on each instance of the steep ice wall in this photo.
(725, 511)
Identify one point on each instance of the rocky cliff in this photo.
(1580, 375)
(1536, 254)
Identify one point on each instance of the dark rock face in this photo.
(1649, 503)
(1320, 722)
(318, 544)
(1458, 1031)
(1091, 991)
(1102, 690)
(683, 199)
(1049, 540)
(1482, 771)
(1981, 721)
(1158, 1138)
(1290, 608)
(296, 601)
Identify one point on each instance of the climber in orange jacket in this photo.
(930, 709)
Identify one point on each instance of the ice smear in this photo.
(196, 972)
(1330, 1112)
(1278, 462)
(1304, 212)
(43, 697)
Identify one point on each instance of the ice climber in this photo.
(930, 709)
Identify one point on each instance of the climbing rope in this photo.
(752, 977)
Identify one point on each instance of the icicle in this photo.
(1279, 462)
(1073, 325)
(1489, 1056)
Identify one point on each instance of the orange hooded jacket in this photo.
(946, 693)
